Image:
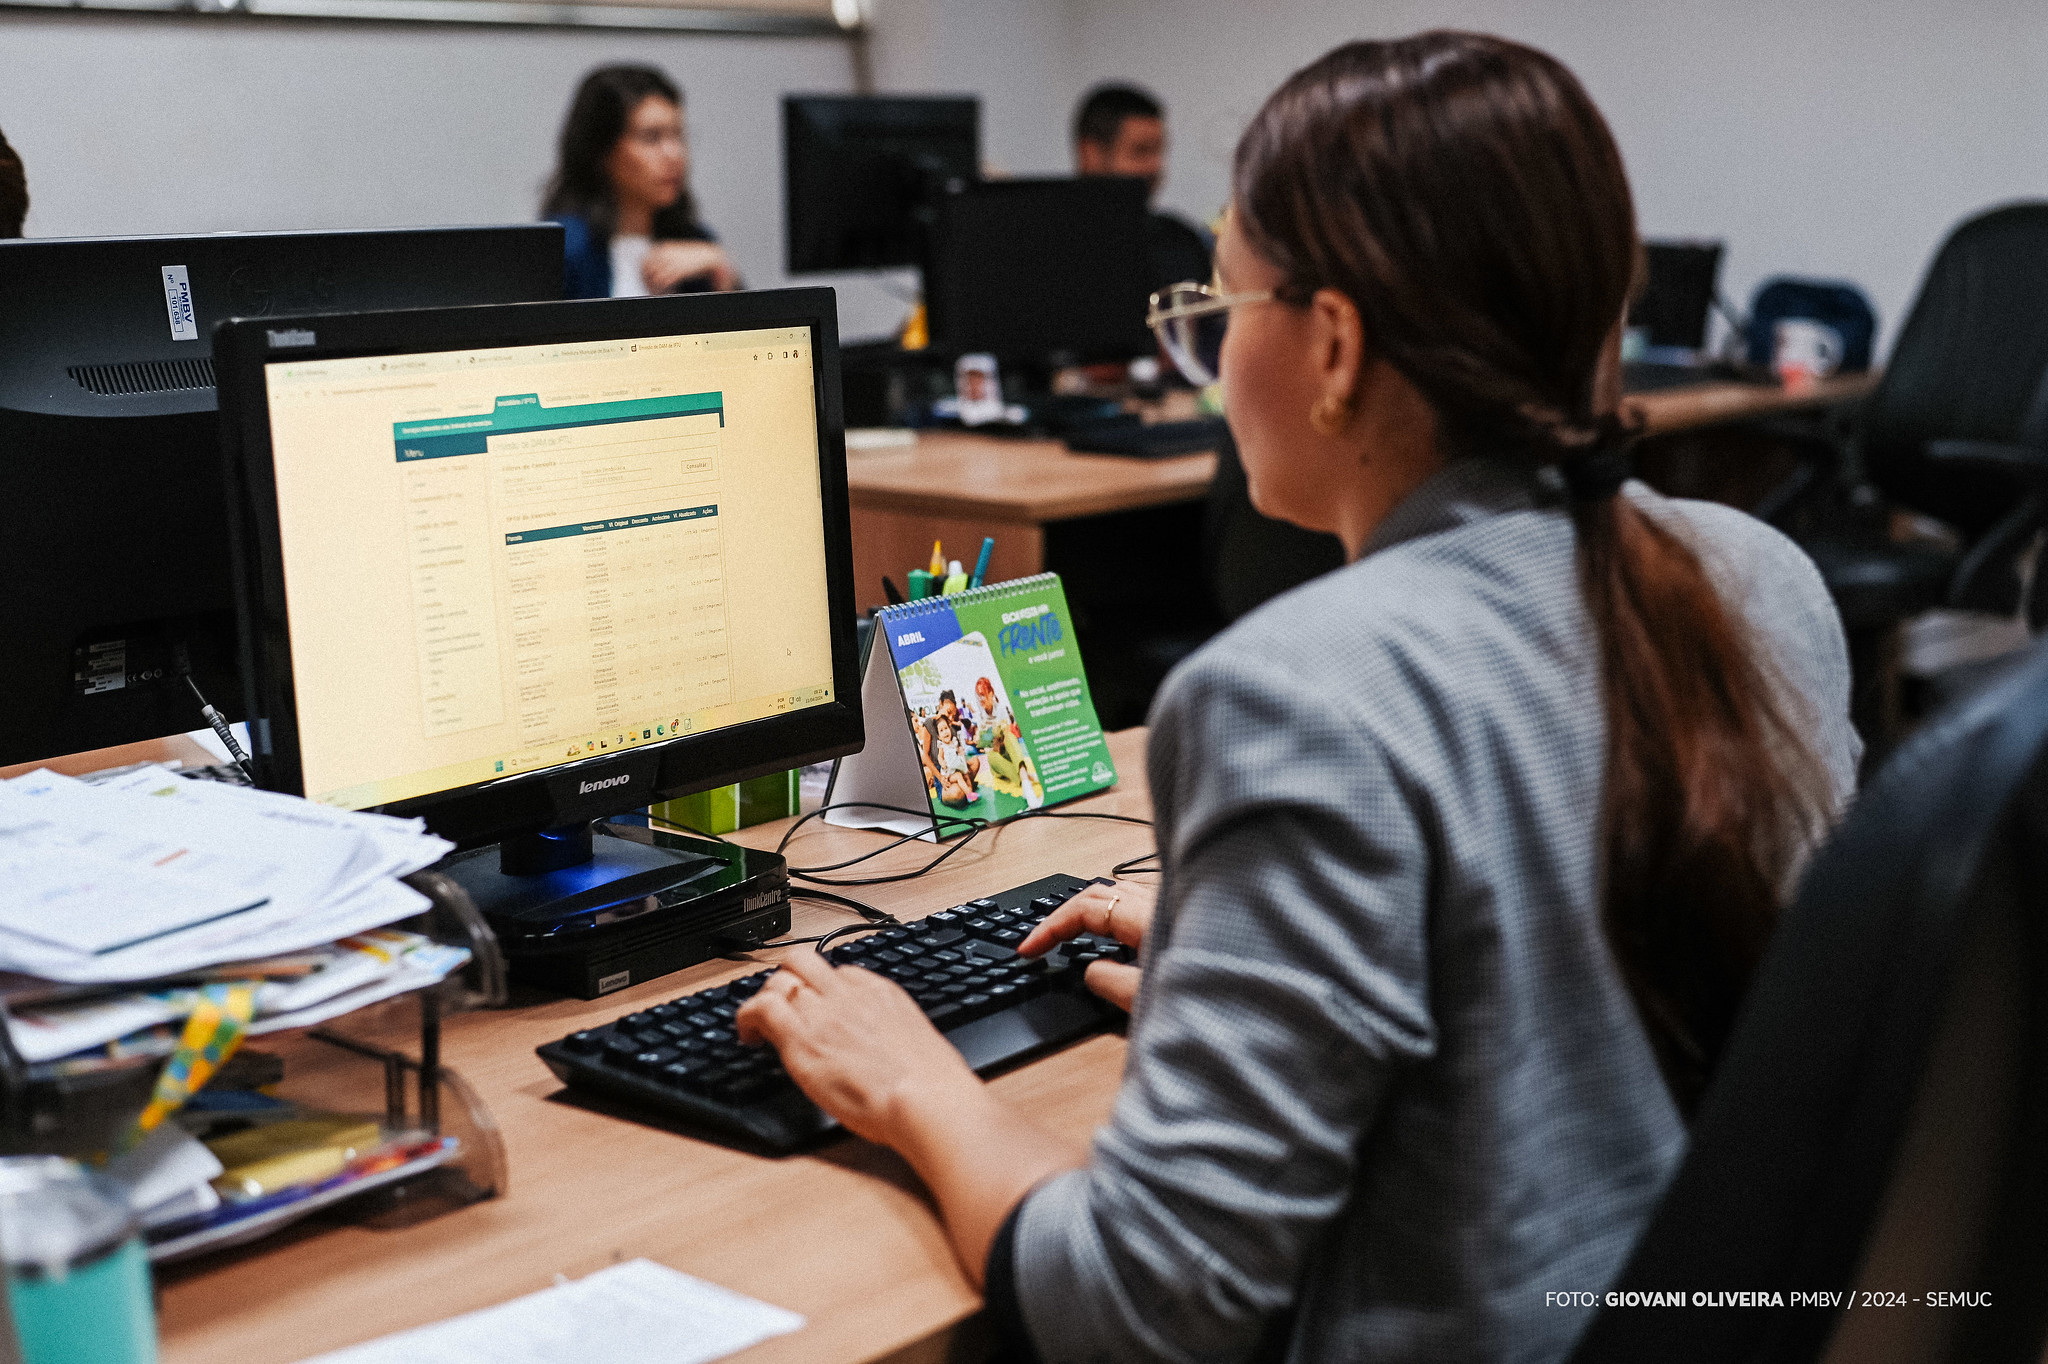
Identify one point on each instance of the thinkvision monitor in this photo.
(517, 569)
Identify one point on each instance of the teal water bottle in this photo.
(77, 1275)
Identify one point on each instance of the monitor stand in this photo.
(589, 908)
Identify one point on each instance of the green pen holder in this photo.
(723, 809)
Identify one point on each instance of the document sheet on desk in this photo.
(638, 1312)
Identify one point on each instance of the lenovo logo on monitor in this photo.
(589, 788)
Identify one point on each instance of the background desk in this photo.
(957, 487)
(844, 1236)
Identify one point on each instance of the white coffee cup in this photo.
(1804, 350)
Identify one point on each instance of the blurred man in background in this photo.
(1121, 130)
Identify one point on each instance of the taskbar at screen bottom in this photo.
(559, 752)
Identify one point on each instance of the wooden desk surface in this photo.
(844, 1236)
(1681, 409)
(961, 475)
(953, 473)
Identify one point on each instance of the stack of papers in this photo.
(123, 895)
(298, 990)
(147, 875)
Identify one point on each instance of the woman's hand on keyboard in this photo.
(1122, 911)
(853, 1041)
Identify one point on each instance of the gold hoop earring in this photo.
(1329, 416)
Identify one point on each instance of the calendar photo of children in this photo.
(969, 742)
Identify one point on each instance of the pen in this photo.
(920, 584)
(988, 547)
(938, 565)
(889, 591)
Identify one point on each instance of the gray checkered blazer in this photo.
(1385, 1089)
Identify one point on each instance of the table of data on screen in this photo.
(575, 550)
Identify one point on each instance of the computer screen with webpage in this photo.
(499, 561)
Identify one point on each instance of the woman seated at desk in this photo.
(1470, 846)
(621, 192)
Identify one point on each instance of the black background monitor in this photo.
(861, 172)
(565, 792)
(1678, 292)
(1032, 270)
(115, 542)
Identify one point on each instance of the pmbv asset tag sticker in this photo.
(178, 301)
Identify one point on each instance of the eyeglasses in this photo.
(1189, 320)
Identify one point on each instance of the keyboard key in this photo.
(1048, 903)
(702, 1018)
(947, 955)
(1001, 991)
(947, 916)
(939, 1012)
(944, 937)
(974, 1001)
(980, 926)
(1009, 936)
(995, 951)
(583, 1041)
(983, 905)
(888, 956)
(681, 1072)
(650, 1061)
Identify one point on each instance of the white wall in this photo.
(1837, 137)
(131, 124)
(1017, 55)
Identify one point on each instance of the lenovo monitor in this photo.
(514, 570)
(114, 566)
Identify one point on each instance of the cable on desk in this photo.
(974, 828)
(1133, 867)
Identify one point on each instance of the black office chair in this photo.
(1880, 1119)
(1957, 430)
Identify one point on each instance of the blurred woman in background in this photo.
(622, 195)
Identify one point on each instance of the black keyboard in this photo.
(683, 1060)
(1158, 440)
